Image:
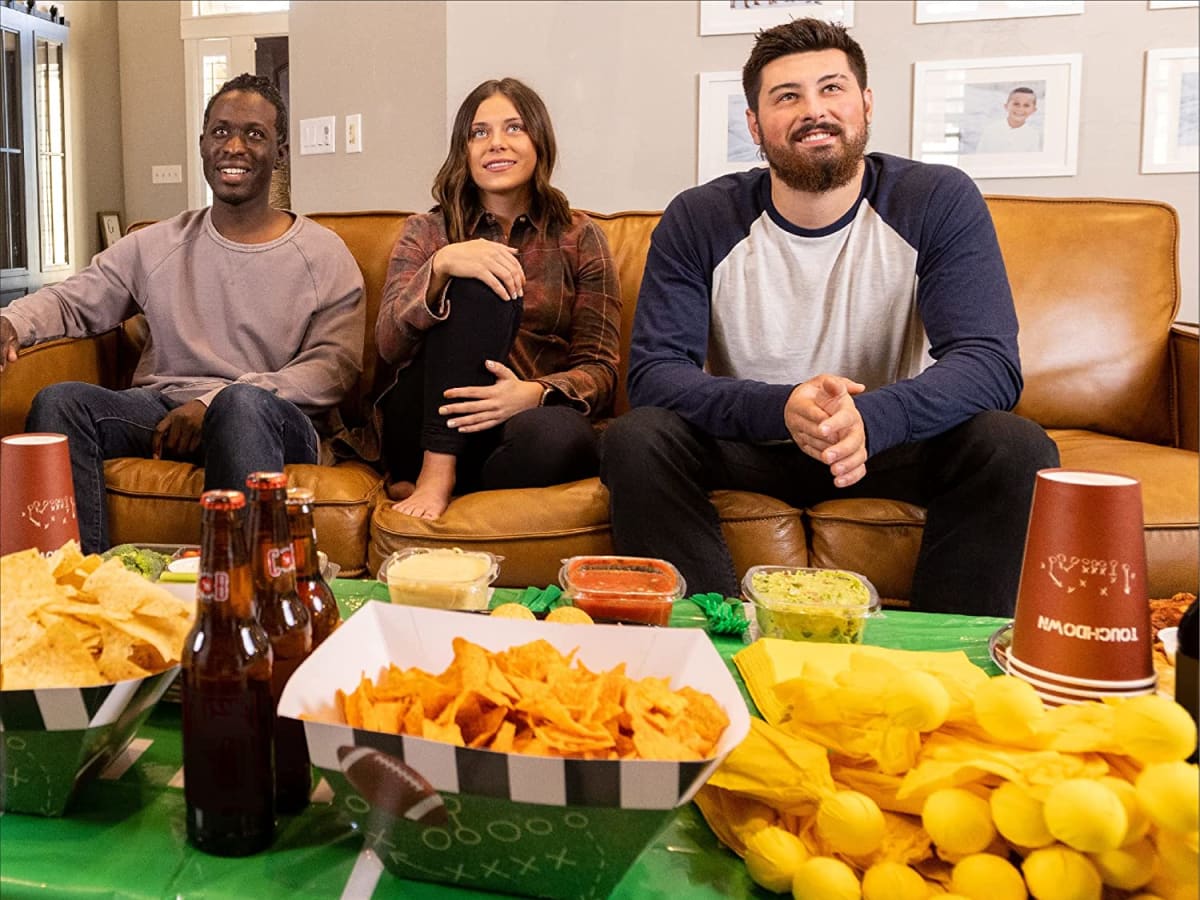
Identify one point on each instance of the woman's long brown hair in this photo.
(455, 192)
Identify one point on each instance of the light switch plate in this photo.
(354, 133)
(317, 135)
(166, 174)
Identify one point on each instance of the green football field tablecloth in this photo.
(124, 835)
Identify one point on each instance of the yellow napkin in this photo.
(771, 661)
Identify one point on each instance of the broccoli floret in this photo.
(148, 563)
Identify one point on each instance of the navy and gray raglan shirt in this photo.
(905, 293)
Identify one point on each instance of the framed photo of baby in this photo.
(1005, 117)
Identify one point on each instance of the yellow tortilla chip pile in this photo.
(532, 699)
(69, 620)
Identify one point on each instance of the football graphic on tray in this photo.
(388, 784)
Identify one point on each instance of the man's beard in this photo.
(813, 173)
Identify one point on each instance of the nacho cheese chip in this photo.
(70, 620)
(533, 699)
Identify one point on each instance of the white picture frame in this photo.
(750, 16)
(723, 142)
(931, 11)
(1170, 127)
(963, 110)
(1174, 4)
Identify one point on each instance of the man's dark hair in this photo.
(1022, 90)
(799, 36)
(256, 84)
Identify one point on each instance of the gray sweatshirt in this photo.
(287, 316)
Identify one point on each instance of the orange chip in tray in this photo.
(533, 699)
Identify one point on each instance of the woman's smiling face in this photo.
(500, 154)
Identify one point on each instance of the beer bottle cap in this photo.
(266, 481)
(299, 495)
(222, 500)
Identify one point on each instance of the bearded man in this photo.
(838, 324)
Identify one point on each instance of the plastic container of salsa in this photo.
(633, 589)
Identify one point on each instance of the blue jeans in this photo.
(246, 429)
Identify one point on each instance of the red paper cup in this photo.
(37, 494)
(1081, 608)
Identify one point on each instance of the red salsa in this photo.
(623, 589)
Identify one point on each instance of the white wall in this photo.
(620, 81)
(387, 62)
(153, 113)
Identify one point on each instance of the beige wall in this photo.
(152, 105)
(386, 61)
(620, 82)
(94, 87)
(620, 79)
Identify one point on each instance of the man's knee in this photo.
(239, 401)
(635, 439)
(1011, 445)
(640, 430)
(56, 403)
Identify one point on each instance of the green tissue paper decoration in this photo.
(724, 616)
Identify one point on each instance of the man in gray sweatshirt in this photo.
(255, 320)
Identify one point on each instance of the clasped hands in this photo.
(824, 422)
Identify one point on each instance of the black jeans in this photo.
(539, 446)
(975, 482)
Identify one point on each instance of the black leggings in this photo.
(536, 447)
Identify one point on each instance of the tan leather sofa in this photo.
(1107, 373)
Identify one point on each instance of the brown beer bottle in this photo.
(288, 626)
(228, 711)
(314, 591)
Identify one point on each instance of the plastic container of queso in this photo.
(632, 589)
(440, 578)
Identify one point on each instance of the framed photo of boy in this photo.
(110, 228)
(929, 11)
(1003, 117)
(724, 144)
(749, 16)
(1170, 127)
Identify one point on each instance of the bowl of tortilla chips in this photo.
(87, 647)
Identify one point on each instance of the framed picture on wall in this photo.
(748, 16)
(965, 10)
(724, 144)
(1003, 117)
(1174, 4)
(1170, 127)
(110, 228)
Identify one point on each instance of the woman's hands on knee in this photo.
(486, 406)
(493, 263)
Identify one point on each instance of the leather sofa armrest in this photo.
(94, 360)
(1185, 360)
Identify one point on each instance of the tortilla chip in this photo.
(56, 659)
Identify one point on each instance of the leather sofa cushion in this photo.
(535, 529)
(1093, 358)
(157, 501)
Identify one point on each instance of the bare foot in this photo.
(400, 490)
(435, 485)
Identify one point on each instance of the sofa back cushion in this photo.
(628, 236)
(1096, 288)
(370, 237)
